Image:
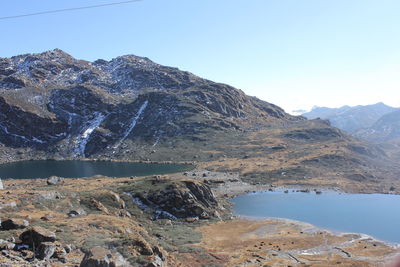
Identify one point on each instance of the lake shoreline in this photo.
(232, 189)
(325, 209)
(229, 190)
(289, 242)
(239, 237)
(99, 160)
(43, 169)
(314, 228)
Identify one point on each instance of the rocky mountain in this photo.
(386, 129)
(53, 102)
(351, 119)
(130, 108)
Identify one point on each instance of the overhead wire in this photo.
(67, 9)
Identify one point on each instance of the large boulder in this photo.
(46, 250)
(156, 261)
(98, 205)
(182, 199)
(76, 212)
(37, 235)
(1, 185)
(11, 224)
(101, 257)
(117, 199)
(60, 252)
(54, 180)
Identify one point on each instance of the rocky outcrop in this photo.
(6, 245)
(11, 224)
(54, 180)
(76, 212)
(316, 134)
(98, 205)
(39, 133)
(101, 257)
(46, 250)
(36, 244)
(107, 199)
(181, 199)
(37, 235)
(118, 200)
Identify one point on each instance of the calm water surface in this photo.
(76, 169)
(377, 215)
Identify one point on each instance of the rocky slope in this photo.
(130, 108)
(72, 108)
(160, 221)
(351, 119)
(78, 222)
(386, 129)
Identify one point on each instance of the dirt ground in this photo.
(276, 242)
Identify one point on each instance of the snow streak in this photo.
(83, 139)
(133, 123)
(26, 139)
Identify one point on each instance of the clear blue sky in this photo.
(294, 53)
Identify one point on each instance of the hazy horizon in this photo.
(299, 111)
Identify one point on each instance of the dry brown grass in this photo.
(281, 243)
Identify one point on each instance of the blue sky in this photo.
(293, 53)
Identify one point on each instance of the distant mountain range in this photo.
(377, 122)
(387, 128)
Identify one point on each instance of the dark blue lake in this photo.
(77, 169)
(377, 215)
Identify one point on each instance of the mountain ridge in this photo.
(132, 109)
(385, 129)
(351, 118)
(69, 94)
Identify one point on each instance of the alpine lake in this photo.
(376, 215)
(81, 168)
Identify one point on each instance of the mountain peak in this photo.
(50, 54)
(381, 104)
(132, 57)
(57, 52)
(125, 59)
(84, 96)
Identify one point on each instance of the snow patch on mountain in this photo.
(26, 139)
(133, 123)
(91, 126)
